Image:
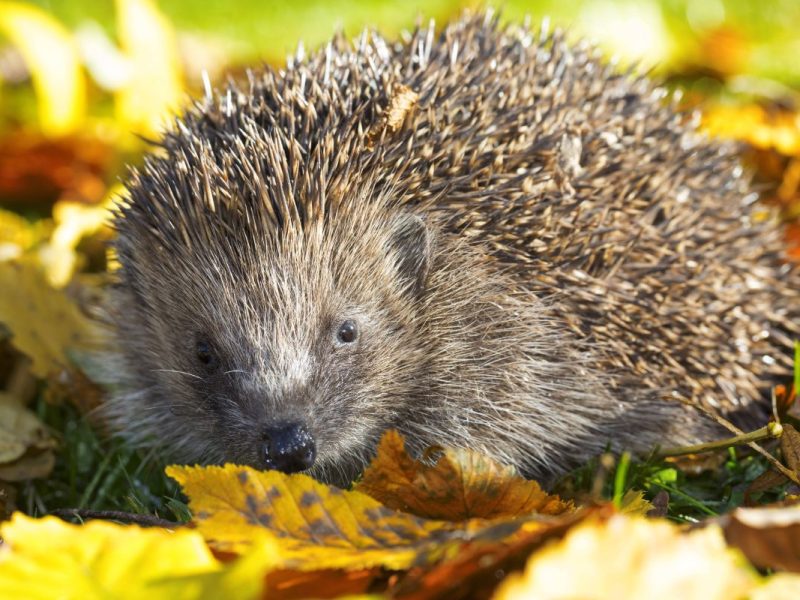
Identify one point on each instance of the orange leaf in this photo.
(460, 485)
(320, 527)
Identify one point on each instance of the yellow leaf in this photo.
(460, 485)
(317, 526)
(154, 88)
(635, 504)
(44, 321)
(74, 221)
(16, 235)
(633, 558)
(48, 558)
(783, 586)
(53, 60)
(20, 432)
(778, 129)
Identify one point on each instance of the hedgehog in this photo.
(485, 238)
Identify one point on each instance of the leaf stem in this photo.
(773, 430)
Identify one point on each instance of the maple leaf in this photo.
(459, 485)
(322, 527)
(633, 558)
(48, 558)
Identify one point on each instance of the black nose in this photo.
(289, 447)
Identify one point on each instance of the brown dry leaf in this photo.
(476, 571)
(769, 537)
(790, 447)
(321, 527)
(460, 485)
(45, 323)
(325, 583)
(38, 170)
(633, 558)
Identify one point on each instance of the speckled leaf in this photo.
(459, 485)
(321, 527)
(48, 558)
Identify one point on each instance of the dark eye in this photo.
(206, 355)
(348, 332)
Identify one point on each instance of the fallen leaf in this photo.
(763, 127)
(782, 586)
(322, 527)
(635, 504)
(769, 537)
(20, 429)
(459, 485)
(477, 569)
(44, 322)
(48, 558)
(73, 222)
(25, 446)
(16, 235)
(324, 583)
(633, 558)
(790, 447)
(54, 63)
(37, 170)
(154, 88)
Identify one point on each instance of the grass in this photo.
(692, 496)
(94, 472)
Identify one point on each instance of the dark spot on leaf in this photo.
(376, 515)
(252, 507)
(309, 499)
(321, 529)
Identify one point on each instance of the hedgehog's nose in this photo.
(289, 447)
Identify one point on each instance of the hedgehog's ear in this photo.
(412, 245)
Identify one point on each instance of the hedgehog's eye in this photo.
(347, 333)
(206, 355)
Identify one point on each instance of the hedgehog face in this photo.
(288, 361)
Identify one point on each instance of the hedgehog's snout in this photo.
(288, 447)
